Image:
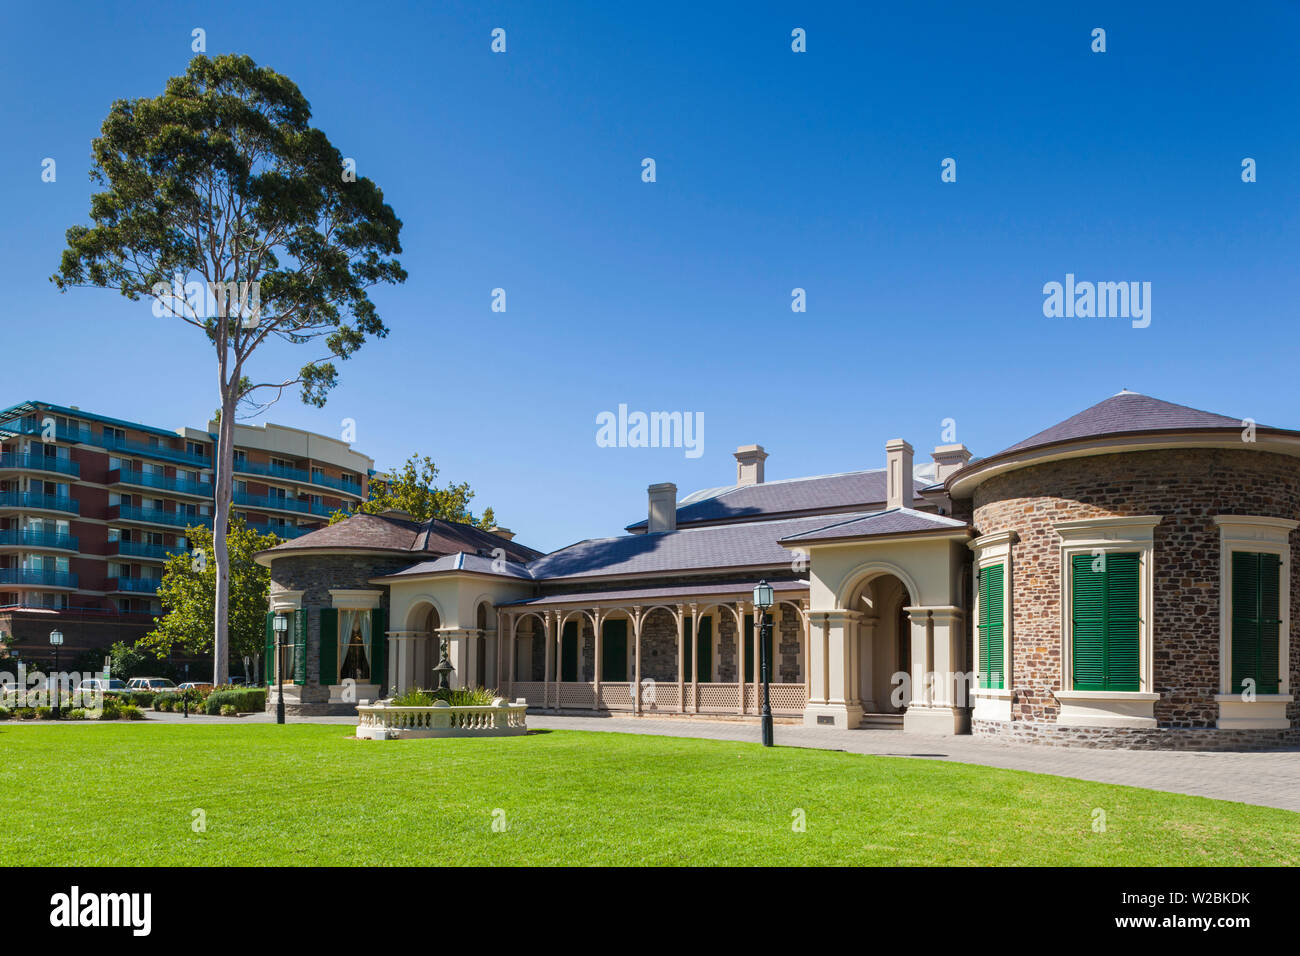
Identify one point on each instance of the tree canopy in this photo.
(413, 488)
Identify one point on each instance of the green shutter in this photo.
(268, 665)
(378, 646)
(613, 651)
(1256, 621)
(329, 646)
(300, 646)
(991, 626)
(704, 651)
(1106, 626)
(569, 652)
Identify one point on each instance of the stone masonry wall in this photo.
(1188, 487)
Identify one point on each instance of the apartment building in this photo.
(91, 506)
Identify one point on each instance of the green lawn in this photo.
(309, 794)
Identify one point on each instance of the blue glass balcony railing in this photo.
(135, 585)
(34, 501)
(125, 476)
(138, 549)
(84, 436)
(32, 462)
(38, 578)
(177, 519)
(272, 503)
(282, 531)
(24, 538)
(300, 475)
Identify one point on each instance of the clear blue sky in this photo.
(775, 170)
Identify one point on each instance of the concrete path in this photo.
(1270, 778)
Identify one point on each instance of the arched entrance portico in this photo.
(883, 639)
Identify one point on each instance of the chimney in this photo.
(663, 507)
(501, 532)
(898, 471)
(749, 464)
(949, 459)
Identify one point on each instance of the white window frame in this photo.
(1106, 708)
(993, 703)
(1259, 535)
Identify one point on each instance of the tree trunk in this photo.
(225, 460)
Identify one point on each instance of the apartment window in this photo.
(114, 434)
(194, 448)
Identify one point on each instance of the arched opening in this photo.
(478, 657)
(883, 643)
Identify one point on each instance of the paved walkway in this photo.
(1270, 778)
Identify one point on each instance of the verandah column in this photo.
(806, 632)
(513, 622)
(636, 668)
(740, 653)
(549, 671)
(695, 657)
(599, 658)
(681, 660)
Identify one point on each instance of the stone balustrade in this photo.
(501, 718)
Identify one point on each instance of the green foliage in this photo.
(456, 696)
(244, 700)
(25, 713)
(111, 709)
(5, 713)
(141, 698)
(127, 661)
(47, 713)
(229, 710)
(131, 712)
(188, 594)
(413, 488)
(76, 713)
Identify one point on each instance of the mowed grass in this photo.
(125, 794)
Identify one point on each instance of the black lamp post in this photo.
(56, 641)
(763, 601)
(281, 628)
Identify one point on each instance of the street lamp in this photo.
(763, 601)
(281, 628)
(56, 641)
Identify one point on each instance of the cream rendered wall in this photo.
(929, 567)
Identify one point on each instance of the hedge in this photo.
(244, 701)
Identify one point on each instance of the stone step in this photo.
(882, 722)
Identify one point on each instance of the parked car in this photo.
(155, 684)
(110, 686)
(236, 682)
(195, 685)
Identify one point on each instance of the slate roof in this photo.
(891, 522)
(460, 561)
(1126, 413)
(853, 490)
(393, 531)
(658, 595)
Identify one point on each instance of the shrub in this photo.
(165, 701)
(415, 697)
(142, 698)
(76, 713)
(25, 713)
(229, 710)
(47, 713)
(457, 697)
(111, 710)
(244, 700)
(5, 713)
(131, 712)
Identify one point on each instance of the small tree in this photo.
(219, 192)
(188, 594)
(413, 489)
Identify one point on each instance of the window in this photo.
(1105, 621)
(699, 650)
(990, 626)
(748, 648)
(1254, 621)
(1106, 629)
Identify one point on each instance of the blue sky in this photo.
(775, 170)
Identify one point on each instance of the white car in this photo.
(154, 684)
(99, 685)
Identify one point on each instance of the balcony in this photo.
(84, 436)
(132, 585)
(271, 503)
(30, 577)
(142, 479)
(16, 461)
(138, 549)
(300, 475)
(175, 519)
(281, 531)
(34, 501)
(38, 540)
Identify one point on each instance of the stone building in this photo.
(1122, 578)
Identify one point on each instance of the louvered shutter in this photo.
(329, 646)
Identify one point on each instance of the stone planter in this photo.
(382, 721)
